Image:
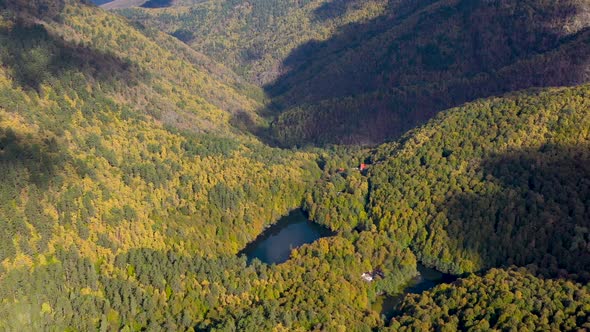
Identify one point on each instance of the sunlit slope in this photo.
(254, 37)
(129, 183)
(496, 182)
(113, 138)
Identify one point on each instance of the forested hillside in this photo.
(128, 187)
(494, 183)
(502, 300)
(115, 140)
(125, 106)
(132, 169)
(254, 37)
(366, 71)
(499, 181)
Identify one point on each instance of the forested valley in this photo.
(361, 72)
(141, 149)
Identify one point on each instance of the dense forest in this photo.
(505, 300)
(498, 181)
(114, 139)
(495, 183)
(360, 72)
(136, 165)
(254, 37)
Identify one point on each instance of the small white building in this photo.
(368, 277)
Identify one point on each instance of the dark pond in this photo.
(428, 279)
(274, 245)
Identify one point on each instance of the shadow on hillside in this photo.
(418, 58)
(244, 122)
(33, 55)
(38, 158)
(540, 215)
(28, 168)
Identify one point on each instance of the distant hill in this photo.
(254, 37)
(157, 3)
(375, 81)
(366, 71)
(123, 4)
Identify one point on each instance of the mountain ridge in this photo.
(134, 168)
(367, 72)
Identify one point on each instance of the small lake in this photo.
(428, 279)
(274, 245)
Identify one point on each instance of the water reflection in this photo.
(428, 279)
(274, 245)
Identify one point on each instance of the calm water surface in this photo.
(428, 279)
(274, 245)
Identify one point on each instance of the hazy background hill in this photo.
(366, 71)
